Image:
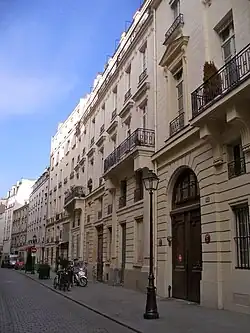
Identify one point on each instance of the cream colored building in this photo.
(38, 209)
(19, 230)
(16, 197)
(202, 151)
(149, 109)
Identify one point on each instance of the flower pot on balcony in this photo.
(212, 82)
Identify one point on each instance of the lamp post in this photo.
(33, 255)
(151, 182)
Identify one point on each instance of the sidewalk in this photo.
(128, 306)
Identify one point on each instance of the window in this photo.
(176, 8)
(228, 41)
(139, 241)
(144, 116)
(123, 193)
(236, 165)
(72, 164)
(128, 77)
(87, 247)
(115, 98)
(77, 246)
(138, 193)
(242, 236)
(179, 90)
(109, 245)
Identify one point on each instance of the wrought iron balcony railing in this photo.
(227, 78)
(236, 168)
(177, 22)
(75, 192)
(176, 124)
(140, 137)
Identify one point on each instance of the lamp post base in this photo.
(151, 305)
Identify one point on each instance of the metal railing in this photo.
(176, 124)
(227, 78)
(74, 192)
(177, 22)
(236, 168)
(140, 137)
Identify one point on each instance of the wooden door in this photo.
(99, 254)
(123, 241)
(187, 255)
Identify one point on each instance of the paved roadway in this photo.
(28, 307)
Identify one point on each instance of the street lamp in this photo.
(151, 182)
(33, 255)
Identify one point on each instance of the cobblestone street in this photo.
(127, 307)
(27, 307)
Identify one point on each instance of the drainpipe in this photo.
(156, 142)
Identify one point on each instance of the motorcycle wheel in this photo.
(83, 282)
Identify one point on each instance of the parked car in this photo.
(19, 264)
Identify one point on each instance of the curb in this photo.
(119, 322)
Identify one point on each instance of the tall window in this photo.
(228, 41)
(176, 8)
(128, 77)
(179, 90)
(109, 245)
(139, 241)
(72, 164)
(242, 236)
(115, 98)
(236, 165)
(87, 247)
(144, 116)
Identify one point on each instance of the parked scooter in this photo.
(80, 277)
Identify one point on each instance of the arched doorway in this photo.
(186, 238)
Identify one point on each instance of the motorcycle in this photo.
(62, 280)
(80, 278)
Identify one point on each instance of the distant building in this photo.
(16, 197)
(2, 210)
(38, 214)
(19, 230)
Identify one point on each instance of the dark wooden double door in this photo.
(186, 255)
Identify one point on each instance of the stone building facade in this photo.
(150, 108)
(19, 230)
(37, 217)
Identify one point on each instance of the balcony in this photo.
(127, 95)
(139, 138)
(122, 201)
(236, 168)
(178, 23)
(229, 77)
(176, 125)
(75, 192)
(138, 194)
(110, 209)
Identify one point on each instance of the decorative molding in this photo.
(207, 2)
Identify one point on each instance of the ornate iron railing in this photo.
(177, 22)
(227, 78)
(140, 137)
(75, 192)
(236, 168)
(176, 124)
(142, 76)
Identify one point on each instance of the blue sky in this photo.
(50, 53)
